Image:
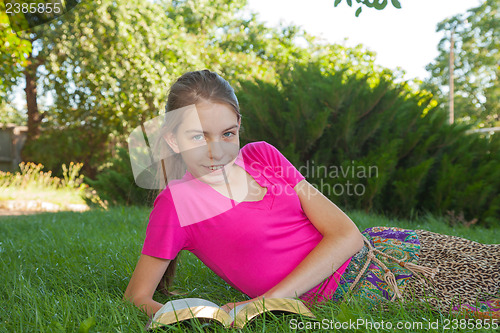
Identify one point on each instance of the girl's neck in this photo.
(235, 180)
(241, 186)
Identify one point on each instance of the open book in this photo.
(188, 308)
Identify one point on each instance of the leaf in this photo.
(349, 2)
(337, 3)
(358, 12)
(396, 4)
(379, 5)
(86, 325)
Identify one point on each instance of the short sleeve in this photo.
(164, 235)
(270, 157)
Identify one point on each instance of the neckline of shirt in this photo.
(266, 200)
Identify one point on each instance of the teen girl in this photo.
(253, 219)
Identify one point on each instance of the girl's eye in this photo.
(228, 134)
(198, 137)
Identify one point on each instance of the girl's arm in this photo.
(341, 240)
(145, 279)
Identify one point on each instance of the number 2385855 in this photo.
(477, 324)
(32, 8)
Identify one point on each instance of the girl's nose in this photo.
(215, 150)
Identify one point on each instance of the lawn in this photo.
(66, 272)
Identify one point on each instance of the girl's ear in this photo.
(172, 142)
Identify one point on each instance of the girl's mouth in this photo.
(215, 167)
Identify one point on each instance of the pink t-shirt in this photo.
(251, 245)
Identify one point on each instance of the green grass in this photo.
(66, 272)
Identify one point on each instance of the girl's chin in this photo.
(212, 180)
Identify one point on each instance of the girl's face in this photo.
(208, 141)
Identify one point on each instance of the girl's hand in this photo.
(229, 306)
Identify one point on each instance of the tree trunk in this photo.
(34, 115)
(452, 85)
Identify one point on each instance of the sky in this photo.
(405, 37)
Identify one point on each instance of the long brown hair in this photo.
(190, 89)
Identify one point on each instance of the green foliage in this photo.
(31, 182)
(375, 4)
(9, 115)
(476, 73)
(468, 180)
(369, 143)
(203, 16)
(86, 144)
(13, 54)
(115, 182)
(408, 184)
(31, 175)
(108, 65)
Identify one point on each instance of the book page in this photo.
(234, 311)
(246, 312)
(184, 303)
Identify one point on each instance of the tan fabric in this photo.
(468, 271)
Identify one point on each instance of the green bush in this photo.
(115, 182)
(54, 147)
(334, 125)
(109, 174)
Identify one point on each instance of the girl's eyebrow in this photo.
(204, 132)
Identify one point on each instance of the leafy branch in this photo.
(377, 4)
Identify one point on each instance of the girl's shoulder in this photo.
(262, 152)
(164, 197)
(266, 159)
(257, 146)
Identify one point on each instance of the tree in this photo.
(110, 62)
(476, 72)
(108, 65)
(19, 61)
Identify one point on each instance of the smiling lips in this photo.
(215, 167)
